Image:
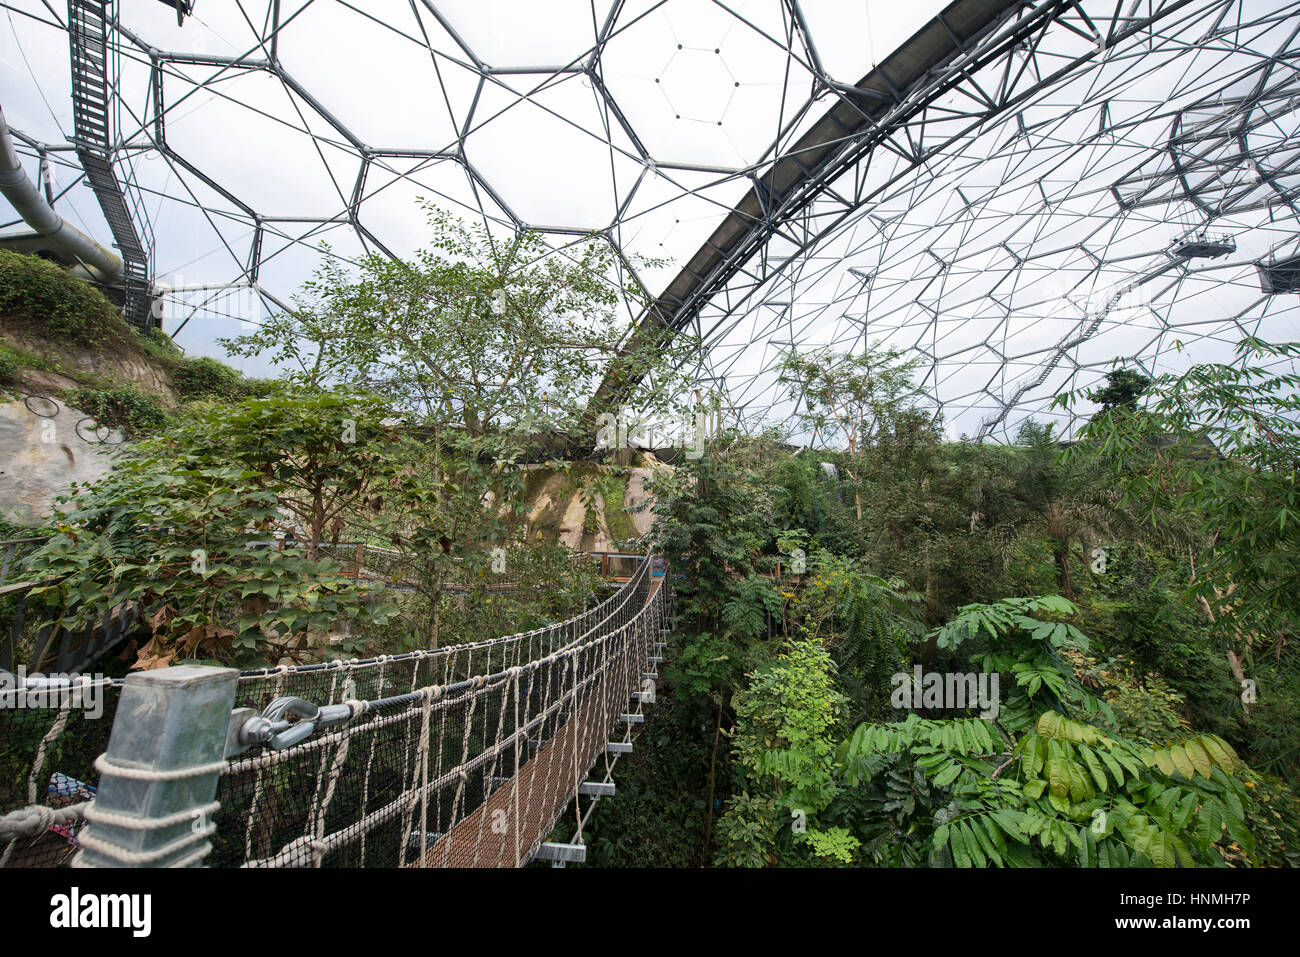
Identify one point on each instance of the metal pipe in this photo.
(26, 198)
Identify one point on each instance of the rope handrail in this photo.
(474, 771)
(494, 681)
(620, 596)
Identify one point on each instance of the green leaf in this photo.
(957, 844)
(1094, 767)
(972, 845)
(948, 774)
(1198, 757)
(940, 840)
(1181, 761)
(1221, 752)
(1162, 759)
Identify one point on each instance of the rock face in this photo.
(557, 512)
(121, 360)
(638, 492)
(40, 457)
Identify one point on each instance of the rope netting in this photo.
(48, 744)
(465, 755)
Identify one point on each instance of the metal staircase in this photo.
(91, 57)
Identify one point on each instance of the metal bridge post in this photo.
(159, 776)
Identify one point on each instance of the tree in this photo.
(935, 514)
(474, 331)
(485, 343)
(924, 509)
(712, 522)
(1050, 782)
(325, 455)
(1219, 444)
(1063, 500)
(868, 624)
(786, 721)
(1122, 390)
(853, 399)
(457, 499)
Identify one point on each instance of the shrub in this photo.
(201, 377)
(43, 294)
(157, 344)
(16, 359)
(263, 388)
(128, 408)
(219, 482)
(9, 529)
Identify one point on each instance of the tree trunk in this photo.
(317, 530)
(1061, 552)
(930, 648)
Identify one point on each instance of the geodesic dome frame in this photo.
(1019, 192)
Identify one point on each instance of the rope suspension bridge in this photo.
(465, 756)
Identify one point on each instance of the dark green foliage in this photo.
(16, 359)
(1035, 787)
(158, 345)
(1270, 733)
(58, 304)
(807, 496)
(133, 410)
(1064, 503)
(1273, 816)
(1244, 499)
(1117, 749)
(711, 523)
(1122, 389)
(203, 377)
(660, 813)
(1119, 589)
(1141, 620)
(869, 624)
(935, 515)
(1064, 794)
(10, 529)
(171, 528)
(551, 587)
(748, 608)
